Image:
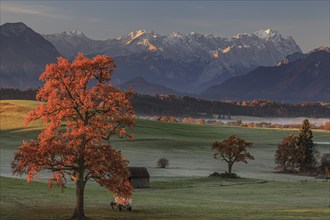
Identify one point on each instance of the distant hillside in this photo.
(141, 86)
(24, 55)
(304, 80)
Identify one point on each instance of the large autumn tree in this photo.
(232, 150)
(82, 111)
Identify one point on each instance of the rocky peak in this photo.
(321, 48)
(13, 28)
(266, 34)
(74, 33)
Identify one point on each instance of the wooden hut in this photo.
(139, 177)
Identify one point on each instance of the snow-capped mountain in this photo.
(69, 43)
(215, 58)
(178, 63)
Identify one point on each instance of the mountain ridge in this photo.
(24, 56)
(177, 63)
(216, 58)
(304, 79)
(142, 86)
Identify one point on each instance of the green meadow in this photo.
(181, 191)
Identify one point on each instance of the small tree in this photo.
(79, 118)
(232, 150)
(162, 163)
(287, 153)
(307, 161)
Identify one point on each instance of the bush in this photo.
(162, 163)
(325, 165)
(215, 174)
(224, 175)
(326, 126)
(229, 175)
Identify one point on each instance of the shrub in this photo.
(224, 175)
(325, 165)
(188, 120)
(326, 126)
(229, 175)
(215, 174)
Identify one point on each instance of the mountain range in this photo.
(183, 62)
(193, 64)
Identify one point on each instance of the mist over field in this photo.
(187, 146)
(282, 121)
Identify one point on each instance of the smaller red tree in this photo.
(232, 150)
(287, 153)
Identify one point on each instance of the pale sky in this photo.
(306, 21)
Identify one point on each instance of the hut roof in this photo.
(139, 172)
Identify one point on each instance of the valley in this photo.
(184, 184)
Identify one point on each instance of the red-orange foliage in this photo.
(188, 120)
(287, 153)
(326, 126)
(79, 117)
(232, 150)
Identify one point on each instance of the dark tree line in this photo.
(8, 93)
(171, 105)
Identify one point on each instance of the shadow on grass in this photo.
(13, 136)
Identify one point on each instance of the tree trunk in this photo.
(230, 165)
(79, 212)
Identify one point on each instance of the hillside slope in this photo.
(303, 80)
(141, 86)
(24, 55)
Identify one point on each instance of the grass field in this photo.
(182, 190)
(175, 198)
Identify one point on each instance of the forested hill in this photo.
(170, 105)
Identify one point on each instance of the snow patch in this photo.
(214, 53)
(74, 33)
(238, 36)
(227, 49)
(146, 43)
(265, 34)
(135, 34)
(176, 35)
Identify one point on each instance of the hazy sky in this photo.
(306, 21)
